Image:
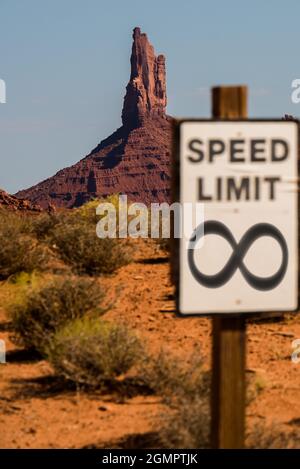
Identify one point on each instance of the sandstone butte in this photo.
(135, 159)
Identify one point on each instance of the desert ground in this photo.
(37, 412)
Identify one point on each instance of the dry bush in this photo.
(79, 246)
(71, 234)
(174, 378)
(46, 309)
(17, 221)
(184, 388)
(19, 252)
(271, 437)
(28, 242)
(43, 224)
(92, 352)
(188, 426)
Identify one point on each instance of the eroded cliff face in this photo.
(135, 159)
(146, 91)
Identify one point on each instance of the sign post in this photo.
(228, 388)
(244, 172)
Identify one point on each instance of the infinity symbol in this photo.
(239, 251)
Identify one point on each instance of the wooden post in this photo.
(228, 333)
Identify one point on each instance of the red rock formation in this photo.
(135, 159)
(146, 91)
(14, 203)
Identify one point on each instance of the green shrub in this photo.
(92, 352)
(79, 246)
(19, 252)
(47, 309)
(88, 213)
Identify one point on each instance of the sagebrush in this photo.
(92, 352)
(183, 386)
(19, 251)
(78, 245)
(48, 308)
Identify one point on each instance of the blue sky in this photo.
(66, 65)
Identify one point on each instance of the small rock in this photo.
(30, 431)
(256, 370)
(284, 334)
(103, 408)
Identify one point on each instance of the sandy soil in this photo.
(35, 412)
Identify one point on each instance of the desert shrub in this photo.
(173, 378)
(71, 234)
(18, 250)
(91, 352)
(43, 225)
(25, 280)
(183, 386)
(87, 212)
(47, 309)
(262, 436)
(20, 254)
(18, 221)
(79, 246)
(188, 426)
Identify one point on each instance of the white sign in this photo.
(246, 256)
